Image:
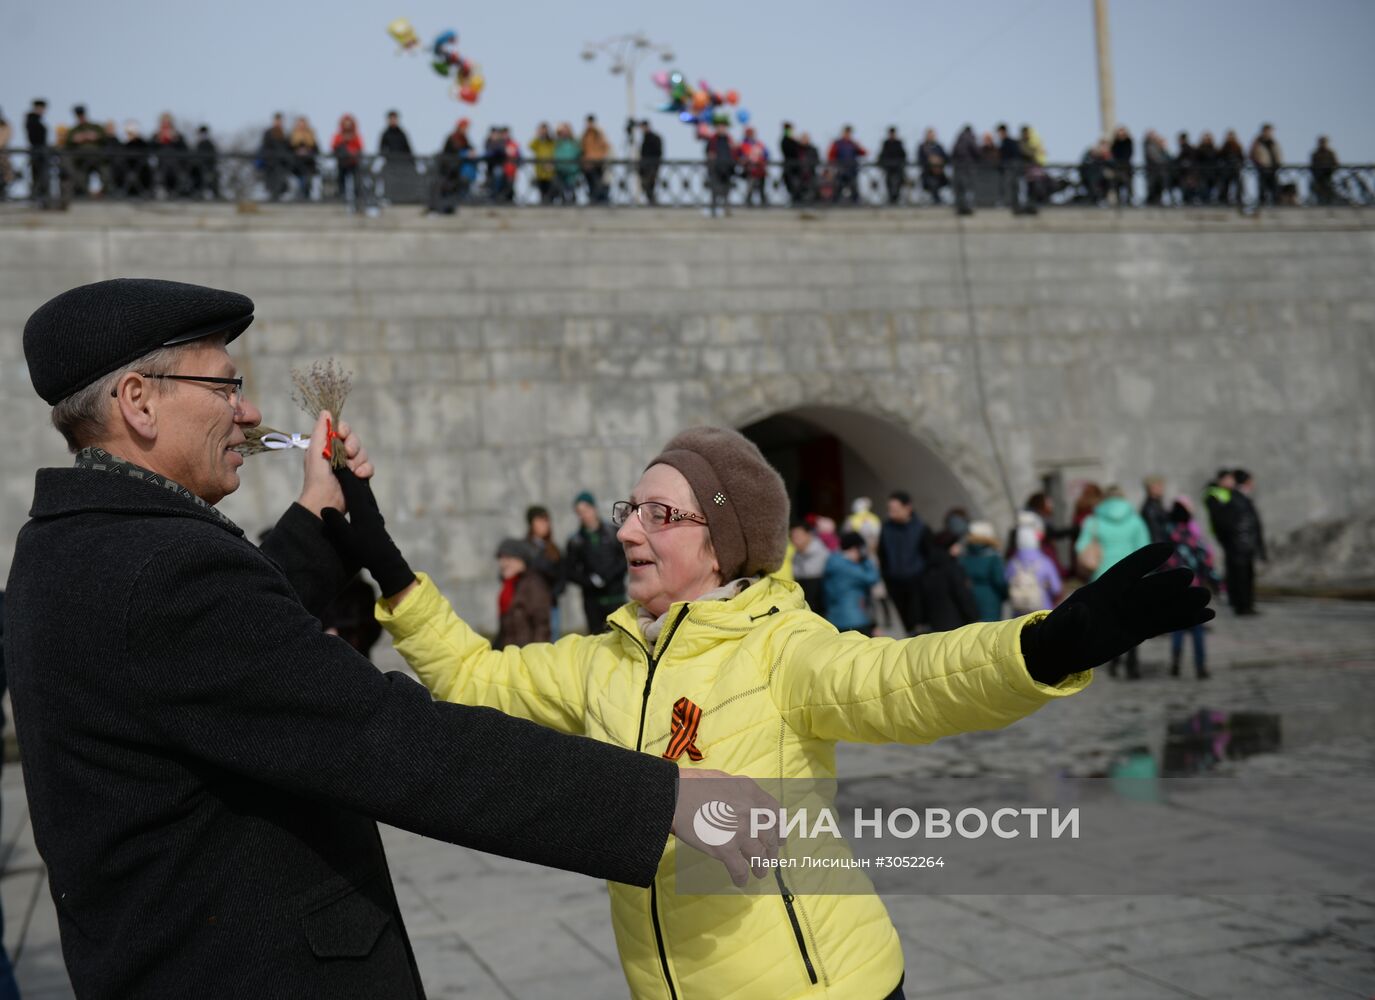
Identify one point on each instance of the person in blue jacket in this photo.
(849, 577)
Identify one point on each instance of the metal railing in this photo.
(55, 178)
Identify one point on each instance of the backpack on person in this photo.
(1194, 556)
(1024, 590)
(1090, 557)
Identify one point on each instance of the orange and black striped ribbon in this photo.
(330, 438)
(686, 718)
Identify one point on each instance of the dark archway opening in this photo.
(828, 456)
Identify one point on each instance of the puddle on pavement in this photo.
(1198, 742)
(1209, 737)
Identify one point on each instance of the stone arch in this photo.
(921, 434)
(829, 455)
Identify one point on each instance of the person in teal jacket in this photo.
(1119, 531)
(1117, 528)
(983, 564)
(567, 165)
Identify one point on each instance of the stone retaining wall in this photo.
(506, 358)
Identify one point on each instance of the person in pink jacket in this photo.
(1192, 552)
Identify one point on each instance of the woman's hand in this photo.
(320, 488)
(363, 536)
(1125, 606)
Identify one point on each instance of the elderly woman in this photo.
(710, 633)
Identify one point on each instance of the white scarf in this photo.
(651, 626)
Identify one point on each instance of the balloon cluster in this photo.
(467, 75)
(700, 105)
(445, 60)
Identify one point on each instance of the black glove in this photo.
(363, 535)
(1121, 609)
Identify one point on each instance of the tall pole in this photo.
(626, 53)
(635, 186)
(1107, 111)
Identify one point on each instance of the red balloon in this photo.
(732, 97)
(468, 94)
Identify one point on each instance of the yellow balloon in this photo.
(477, 81)
(403, 33)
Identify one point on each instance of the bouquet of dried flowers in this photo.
(322, 386)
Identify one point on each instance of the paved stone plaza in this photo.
(485, 927)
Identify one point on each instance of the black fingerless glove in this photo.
(363, 535)
(1118, 611)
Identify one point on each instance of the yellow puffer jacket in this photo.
(778, 686)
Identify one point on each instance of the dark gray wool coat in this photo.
(204, 766)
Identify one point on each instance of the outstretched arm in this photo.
(538, 682)
(982, 676)
(265, 694)
(849, 687)
(541, 682)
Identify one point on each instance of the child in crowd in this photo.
(850, 576)
(1192, 552)
(1033, 582)
(523, 604)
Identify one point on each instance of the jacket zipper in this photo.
(797, 927)
(653, 661)
(659, 937)
(788, 901)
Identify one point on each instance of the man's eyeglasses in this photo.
(232, 387)
(653, 515)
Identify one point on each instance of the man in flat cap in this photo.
(203, 765)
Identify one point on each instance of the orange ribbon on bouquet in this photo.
(330, 438)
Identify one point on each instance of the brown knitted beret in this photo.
(741, 494)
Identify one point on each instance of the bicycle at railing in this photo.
(1352, 186)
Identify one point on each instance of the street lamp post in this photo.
(1107, 110)
(626, 53)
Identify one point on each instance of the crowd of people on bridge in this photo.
(568, 165)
